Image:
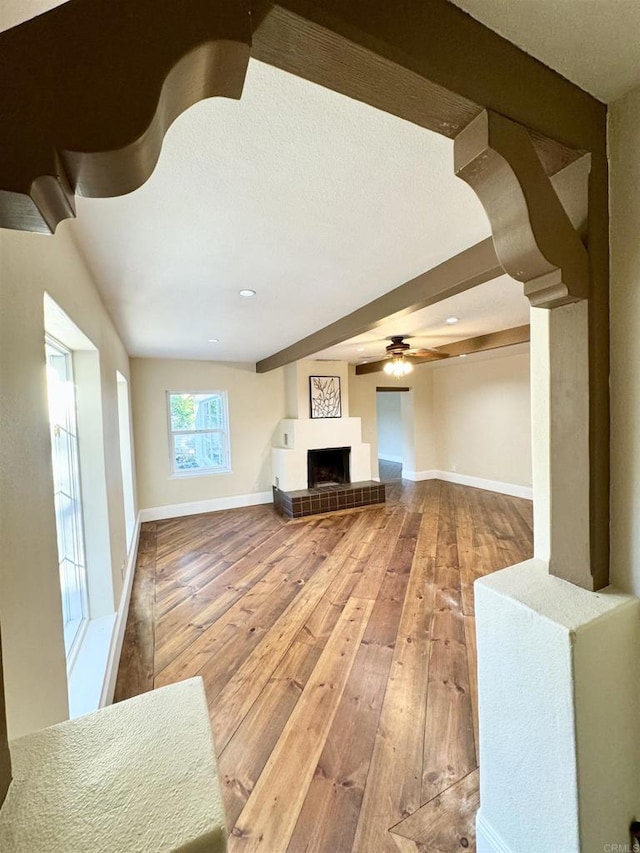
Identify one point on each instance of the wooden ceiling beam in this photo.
(91, 120)
(482, 343)
(89, 90)
(404, 60)
(468, 269)
(479, 343)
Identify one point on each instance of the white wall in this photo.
(297, 385)
(624, 142)
(256, 406)
(420, 432)
(30, 609)
(469, 417)
(390, 427)
(484, 415)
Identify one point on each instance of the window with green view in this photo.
(199, 432)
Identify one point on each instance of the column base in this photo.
(558, 675)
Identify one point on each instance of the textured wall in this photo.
(470, 417)
(30, 609)
(624, 139)
(483, 410)
(256, 406)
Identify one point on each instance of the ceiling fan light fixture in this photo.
(398, 367)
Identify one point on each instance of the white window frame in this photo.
(72, 647)
(199, 472)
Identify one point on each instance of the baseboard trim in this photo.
(415, 476)
(117, 637)
(157, 513)
(487, 839)
(389, 458)
(512, 489)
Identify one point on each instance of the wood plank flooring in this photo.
(338, 657)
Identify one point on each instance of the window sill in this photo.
(205, 472)
(89, 666)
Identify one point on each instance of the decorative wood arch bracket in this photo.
(534, 238)
(70, 128)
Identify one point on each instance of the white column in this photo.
(558, 670)
(560, 440)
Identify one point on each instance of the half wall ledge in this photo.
(557, 678)
(84, 784)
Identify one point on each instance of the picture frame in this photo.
(325, 397)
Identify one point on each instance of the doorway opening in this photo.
(391, 417)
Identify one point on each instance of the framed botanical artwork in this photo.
(324, 397)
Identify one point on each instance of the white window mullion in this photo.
(198, 433)
(67, 496)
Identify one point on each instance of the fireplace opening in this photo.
(328, 466)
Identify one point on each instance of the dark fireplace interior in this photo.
(328, 467)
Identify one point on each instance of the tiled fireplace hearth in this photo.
(303, 502)
(322, 466)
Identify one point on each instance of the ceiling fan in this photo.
(401, 358)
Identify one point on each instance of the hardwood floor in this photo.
(389, 470)
(338, 657)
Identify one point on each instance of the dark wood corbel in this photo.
(89, 90)
(534, 238)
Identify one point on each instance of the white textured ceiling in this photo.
(593, 43)
(317, 202)
(14, 12)
(498, 304)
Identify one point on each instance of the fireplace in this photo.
(321, 465)
(328, 466)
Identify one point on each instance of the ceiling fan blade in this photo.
(376, 366)
(481, 343)
(370, 367)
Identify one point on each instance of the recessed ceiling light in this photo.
(451, 321)
(360, 349)
(246, 292)
(214, 340)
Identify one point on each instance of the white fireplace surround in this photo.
(295, 436)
